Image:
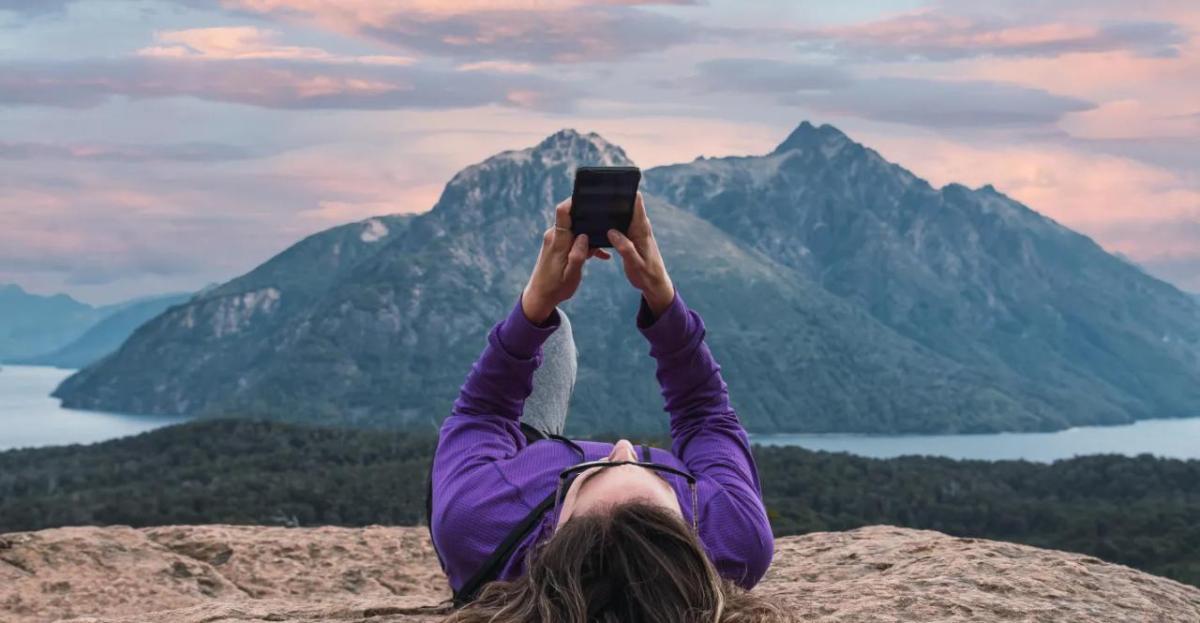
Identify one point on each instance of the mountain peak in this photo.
(807, 136)
(573, 147)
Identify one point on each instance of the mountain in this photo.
(108, 334)
(197, 353)
(841, 293)
(1071, 333)
(31, 324)
(389, 342)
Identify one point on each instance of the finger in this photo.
(639, 211)
(601, 254)
(575, 259)
(562, 214)
(624, 247)
(563, 236)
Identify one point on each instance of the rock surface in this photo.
(194, 574)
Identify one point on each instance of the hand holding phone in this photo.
(559, 267)
(642, 260)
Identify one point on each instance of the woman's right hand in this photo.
(559, 267)
(644, 265)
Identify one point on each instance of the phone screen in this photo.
(603, 199)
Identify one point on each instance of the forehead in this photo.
(623, 482)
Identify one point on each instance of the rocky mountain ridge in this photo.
(877, 304)
(1068, 332)
(190, 574)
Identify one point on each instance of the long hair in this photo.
(636, 564)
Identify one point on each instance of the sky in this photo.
(162, 145)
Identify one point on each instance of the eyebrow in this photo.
(580, 479)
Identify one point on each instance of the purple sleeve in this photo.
(708, 437)
(483, 430)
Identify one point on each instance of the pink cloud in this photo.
(947, 35)
(247, 42)
(103, 227)
(272, 83)
(115, 152)
(562, 31)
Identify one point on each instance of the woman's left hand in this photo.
(559, 268)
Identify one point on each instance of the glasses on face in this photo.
(568, 476)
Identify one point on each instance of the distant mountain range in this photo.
(61, 331)
(107, 335)
(32, 324)
(841, 293)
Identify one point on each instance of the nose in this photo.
(622, 451)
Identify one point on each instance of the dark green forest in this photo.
(1142, 511)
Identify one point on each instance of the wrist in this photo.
(536, 308)
(660, 297)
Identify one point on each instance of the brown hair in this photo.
(637, 564)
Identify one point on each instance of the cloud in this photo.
(106, 230)
(757, 75)
(564, 31)
(498, 66)
(945, 103)
(87, 237)
(247, 42)
(178, 152)
(273, 84)
(1167, 248)
(912, 101)
(34, 7)
(945, 36)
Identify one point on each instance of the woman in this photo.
(563, 531)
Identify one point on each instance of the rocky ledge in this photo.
(190, 574)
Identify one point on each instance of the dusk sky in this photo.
(161, 145)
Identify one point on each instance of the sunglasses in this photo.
(568, 475)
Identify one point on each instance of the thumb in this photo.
(626, 248)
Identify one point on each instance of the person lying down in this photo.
(531, 526)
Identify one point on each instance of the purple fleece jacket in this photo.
(487, 478)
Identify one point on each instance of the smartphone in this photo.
(602, 200)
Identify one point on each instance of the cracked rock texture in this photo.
(194, 574)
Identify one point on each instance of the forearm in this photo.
(687, 372)
(706, 433)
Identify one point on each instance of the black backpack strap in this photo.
(491, 567)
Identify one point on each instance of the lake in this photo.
(30, 417)
(1168, 438)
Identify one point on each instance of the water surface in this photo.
(1167, 438)
(29, 417)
